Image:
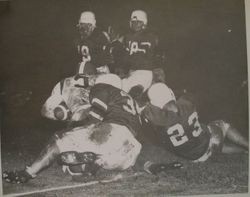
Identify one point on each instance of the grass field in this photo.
(205, 46)
(223, 174)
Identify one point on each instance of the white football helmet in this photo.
(87, 24)
(139, 15)
(110, 79)
(138, 20)
(87, 17)
(160, 94)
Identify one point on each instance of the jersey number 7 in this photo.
(177, 132)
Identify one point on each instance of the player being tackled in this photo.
(107, 141)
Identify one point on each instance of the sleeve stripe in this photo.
(95, 115)
(99, 102)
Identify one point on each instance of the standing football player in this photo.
(176, 125)
(141, 46)
(107, 141)
(92, 43)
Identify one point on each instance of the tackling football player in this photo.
(176, 125)
(108, 141)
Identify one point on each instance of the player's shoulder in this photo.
(186, 105)
(186, 98)
(99, 35)
(159, 117)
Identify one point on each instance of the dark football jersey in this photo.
(110, 104)
(141, 47)
(118, 54)
(93, 48)
(180, 133)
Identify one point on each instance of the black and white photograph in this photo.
(124, 98)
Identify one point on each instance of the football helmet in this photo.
(160, 94)
(138, 20)
(87, 23)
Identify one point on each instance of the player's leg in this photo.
(120, 150)
(234, 136)
(106, 145)
(230, 148)
(216, 141)
(78, 153)
(140, 80)
(113, 145)
(46, 157)
(240, 144)
(62, 141)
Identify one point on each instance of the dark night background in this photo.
(204, 42)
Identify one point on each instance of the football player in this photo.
(141, 46)
(108, 141)
(69, 100)
(176, 125)
(92, 43)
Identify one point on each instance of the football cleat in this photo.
(70, 158)
(156, 168)
(17, 177)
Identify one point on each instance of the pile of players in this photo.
(119, 92)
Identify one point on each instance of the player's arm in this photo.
(98, 98)
(52, 102)
(185, 104)
(126, 53)
(55, 107)
(158, 53)
(158, 116)
(101, 56)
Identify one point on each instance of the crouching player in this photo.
(176, 124)
(108, 141)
